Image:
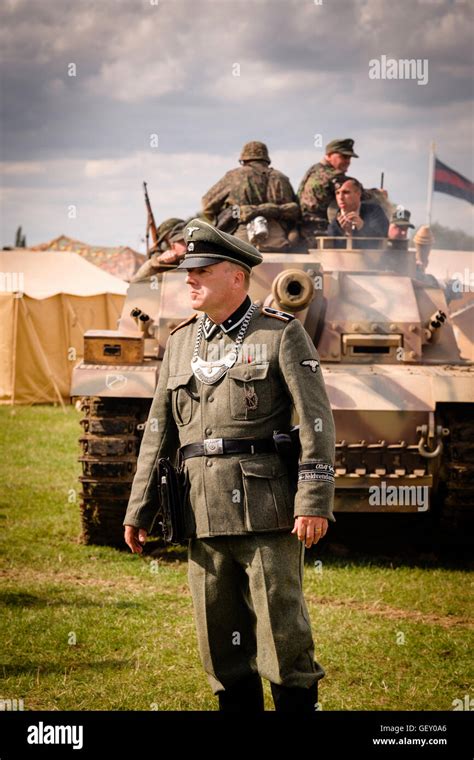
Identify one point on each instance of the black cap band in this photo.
(199, 246)
(198, 251)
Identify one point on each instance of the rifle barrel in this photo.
(151, 224)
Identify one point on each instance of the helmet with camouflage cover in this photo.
(254, 151)
(163, 232)
(176, 233)
(166, 227)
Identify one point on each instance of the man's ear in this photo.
(239, 277)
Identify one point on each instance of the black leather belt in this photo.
(212, 447)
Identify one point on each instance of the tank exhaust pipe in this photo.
(435, 322)
(140, 318)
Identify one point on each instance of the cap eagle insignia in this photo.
(312, 363)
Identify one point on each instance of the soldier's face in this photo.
(348, 197)
(339, 162)
(397, 233)
(210, 287)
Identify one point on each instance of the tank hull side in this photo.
(115, 381)
(378, 411)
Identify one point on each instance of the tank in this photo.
(398, 376)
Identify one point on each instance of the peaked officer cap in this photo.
(344, 147)
(206, 245)
(401, 217)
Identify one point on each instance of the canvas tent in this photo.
(48, 300)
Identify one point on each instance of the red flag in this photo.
(448, 181)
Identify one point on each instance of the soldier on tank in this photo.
(253, 191)
(357, 218)
(169, 249)
(318, 186)
(230, 378)
(398, 229)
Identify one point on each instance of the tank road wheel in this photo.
(456, 487)
(112, 432)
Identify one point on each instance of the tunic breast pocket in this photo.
(249, 391)
(183, 397)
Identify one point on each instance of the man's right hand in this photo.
(350, 221)
(169, 257)
(135, 538)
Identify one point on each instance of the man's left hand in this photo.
(310, 529)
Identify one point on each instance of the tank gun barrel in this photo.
(293, 289)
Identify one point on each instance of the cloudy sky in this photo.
(167, 91)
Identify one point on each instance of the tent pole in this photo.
(16, 297)
(45, 358)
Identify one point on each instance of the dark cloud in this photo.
(168, 69)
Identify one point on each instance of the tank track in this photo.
(455, 503)
(110, 442)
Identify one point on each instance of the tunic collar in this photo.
(235, 319)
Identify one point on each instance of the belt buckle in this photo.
(213, 446)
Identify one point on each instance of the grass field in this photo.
(92, 628)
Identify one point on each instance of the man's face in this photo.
(211, 287)
(395, 232)
(348, 197)
(339, 162)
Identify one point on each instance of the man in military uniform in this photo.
(255, 189)
(357, 218)
(228, 381)
(169, 249)
(398, 229)
(318, 186)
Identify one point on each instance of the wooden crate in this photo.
(113, 347)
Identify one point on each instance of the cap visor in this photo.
(194, 262)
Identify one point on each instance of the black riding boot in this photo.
(244, 696)
(288, 699)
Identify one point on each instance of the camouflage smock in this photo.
(256, 189)
(315, 193)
